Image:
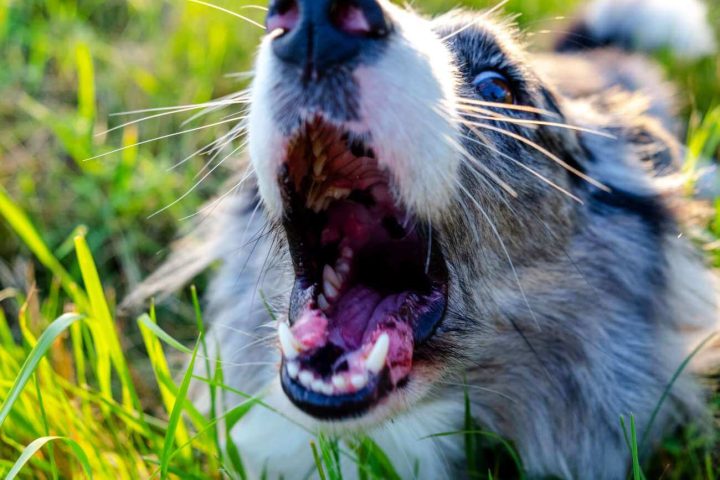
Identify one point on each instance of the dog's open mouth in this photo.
(371, 284)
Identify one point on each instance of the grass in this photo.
(85, 392)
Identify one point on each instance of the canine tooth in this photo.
(339, 382)
(358, 380)
(288, 343)
(293, 368)
(322, 302)
(376, 359)
(306, 378)
(329, 275)
(317, 385)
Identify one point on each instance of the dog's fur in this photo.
(565, 313)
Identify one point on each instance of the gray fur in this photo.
(567, 314)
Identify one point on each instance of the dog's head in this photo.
(413, 164)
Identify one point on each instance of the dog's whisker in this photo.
(484, 15)
(483, 114)
(542, 150)
(508, 106)
(162, 137)
(230, 12)
(521, 165)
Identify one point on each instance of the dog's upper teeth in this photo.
(289, 345)
(322, 302)
(331, 276)
(375, 361)
(318, 148)
(319, 164)
(330, 291)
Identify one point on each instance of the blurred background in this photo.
(69, 68)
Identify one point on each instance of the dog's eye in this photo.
(493, 87)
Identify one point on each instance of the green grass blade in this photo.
(36, 445)
(160, 368)
(637, 474)
(318, 462)
(511, 451)
(32, 361)
(670, 385)
(373, 460)
(176, 415)
(163, 335)
(22, 226)
(103, 328)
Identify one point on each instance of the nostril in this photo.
(283, 17)
(350, 19)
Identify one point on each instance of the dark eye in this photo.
(493, 87)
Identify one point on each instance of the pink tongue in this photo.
(358, 313)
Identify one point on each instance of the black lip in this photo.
(335, 407)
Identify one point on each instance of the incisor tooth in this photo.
(329, 275)
(288, 343)
(306, 378)
(317, 385)
(358, 381)
(327, 389)
(376, 359)
(339, 382)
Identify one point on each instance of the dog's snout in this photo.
(319, 34)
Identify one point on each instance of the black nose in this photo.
(318, 34)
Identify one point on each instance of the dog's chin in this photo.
(371, 282)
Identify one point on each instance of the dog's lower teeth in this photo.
(306, 378)
(375, 361)
(289, 345)
(293, 368)
(317, 385)
(339, 382)
(358, 380)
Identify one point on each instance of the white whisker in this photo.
(230, 12)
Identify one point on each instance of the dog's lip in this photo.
(334, 407)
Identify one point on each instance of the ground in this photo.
(80, 224)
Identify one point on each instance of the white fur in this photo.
(266, 144)
(648, 25)
(405, 440)
(408, 106)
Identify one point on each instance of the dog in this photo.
(432, 212)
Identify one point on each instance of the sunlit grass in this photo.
(83, 390)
